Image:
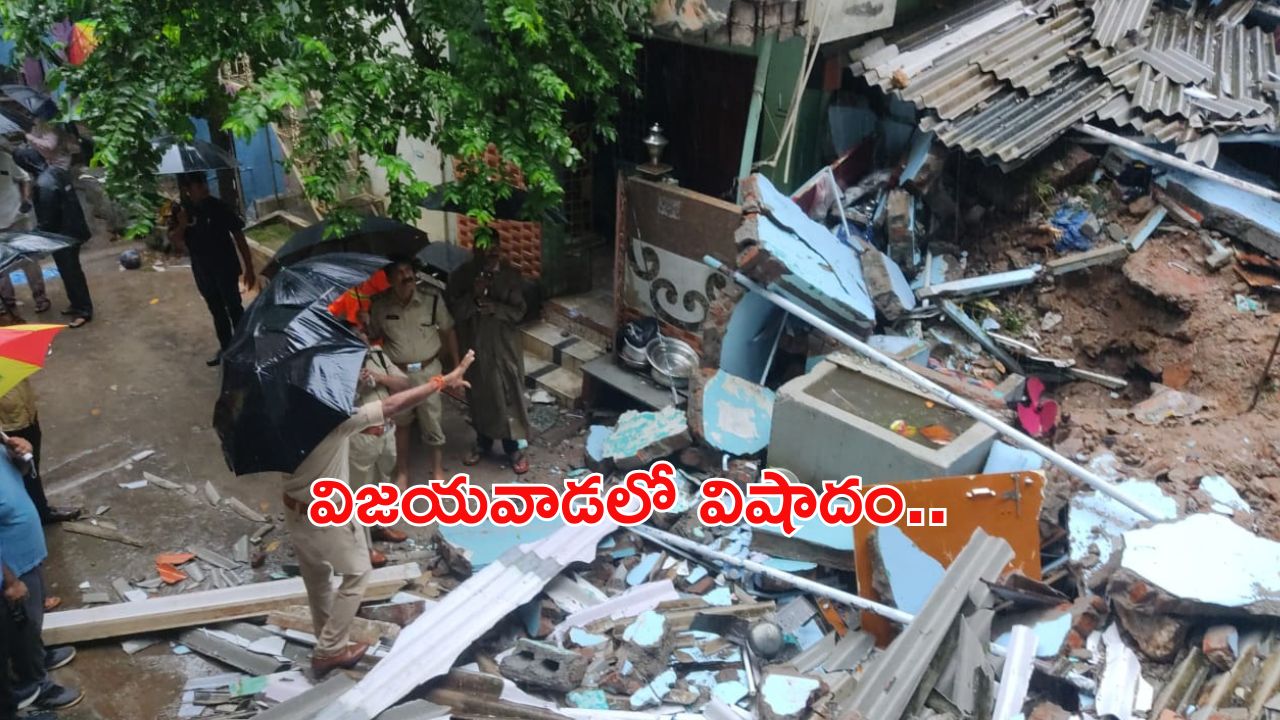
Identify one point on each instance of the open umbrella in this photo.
(23, 349)
(184, 156)
(16, 246)
(374, 236)
(444, 257)
(289, 375)
(32, 101)
(508, 208)
(13, 122)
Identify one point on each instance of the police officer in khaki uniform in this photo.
(414, 325)
(373, 450)
(342, 550)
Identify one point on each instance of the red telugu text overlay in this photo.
(631, 502)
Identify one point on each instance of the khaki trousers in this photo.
(322, 553)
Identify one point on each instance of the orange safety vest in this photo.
(351, 303)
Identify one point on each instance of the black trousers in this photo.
(510, 447)
(74, 282)
(219, 285)
(35, 486)
(8, 636)
(26, 649)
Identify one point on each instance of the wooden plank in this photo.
(199, 608)
(102, 533)
(298, 617)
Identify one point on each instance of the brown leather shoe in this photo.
(377, 559)
(382, 534)
(322, 664)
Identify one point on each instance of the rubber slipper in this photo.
(53, 602)
(472, 458)
(43, 306)
(520, 465)
(78, 322)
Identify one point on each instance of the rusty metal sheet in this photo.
(1004, 505)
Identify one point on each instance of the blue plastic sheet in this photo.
(1069, 220)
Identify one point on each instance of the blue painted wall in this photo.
(260, 161)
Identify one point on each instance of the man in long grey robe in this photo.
(487, 301)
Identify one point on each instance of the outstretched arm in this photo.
(400, 402)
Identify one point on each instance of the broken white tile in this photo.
(273, 646)
(135, 595)
(1094, 519)
(135, 485)
(1226, 499)
(140, 456)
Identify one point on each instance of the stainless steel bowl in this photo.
(671, 361)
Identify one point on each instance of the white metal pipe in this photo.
(665, 538)
(1165, 158)
(971, 409)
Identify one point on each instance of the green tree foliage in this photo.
(357, 75)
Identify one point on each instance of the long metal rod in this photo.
(755, 110)
(665, 538)
(969, 408)
(1165, 158)
(1266, 373)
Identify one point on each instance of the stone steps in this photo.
(563, 384)
(554, 358)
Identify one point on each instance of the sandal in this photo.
(42, 306)
(53, 602)
(78, 322)
(519, 464)
(473, 457)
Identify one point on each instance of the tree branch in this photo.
(413, 35)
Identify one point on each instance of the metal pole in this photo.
(1166, 159)
(1266, 372)
(753, 112)
(665, 538)
(972, 410)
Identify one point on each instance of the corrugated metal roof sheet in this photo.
(981, 80)
(1013, 127)
(1115, 19)
(428, 647)
(892, 678)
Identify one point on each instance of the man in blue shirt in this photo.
(22, 555)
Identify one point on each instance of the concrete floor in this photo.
(134, 379)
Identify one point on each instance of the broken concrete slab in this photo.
(901, 348)
(1166, 403)
(640, 438)
(1225, 498)
(1095, 522)
(900, 226)
(909, 574)
(730, 414)
(785, 696)
(890, 292)
(648, 642)
(1201, 565)
(544, 665)
(1242, 215)
(1102, 255)
(787, 252)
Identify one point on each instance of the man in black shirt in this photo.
(212, 233)
(58, 211)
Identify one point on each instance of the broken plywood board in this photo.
(298, 617)
(1003, 505)
(178, 611)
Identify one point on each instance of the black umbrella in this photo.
(184, 156)
(32, 101)
(290, 373)
(12, 123)
(374, 236)
(20, 245)
(508, 208)
(444, 257)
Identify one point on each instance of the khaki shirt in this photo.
(332, 457)
(18, 408)
(410, 333)
(376, 361)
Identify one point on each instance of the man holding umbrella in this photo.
(343, 550)
(213, 234)
(58, 211)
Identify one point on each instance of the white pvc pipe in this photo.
(662, 537)
(964, 405)
(1165, 158)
